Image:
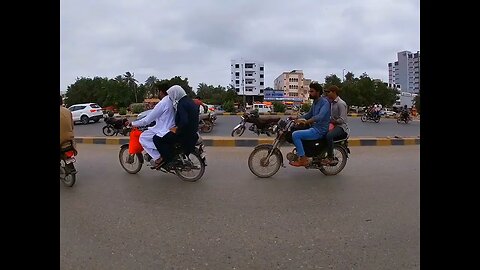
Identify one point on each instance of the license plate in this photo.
(70, 160)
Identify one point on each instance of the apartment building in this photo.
(293, 84)
(405, 71)
(248, 78)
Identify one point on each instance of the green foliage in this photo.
(228, 106)
(279, 107)
(137, 107)
(332, 79)
(306, 107)
(122, 111)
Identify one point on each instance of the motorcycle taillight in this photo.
(69, 154)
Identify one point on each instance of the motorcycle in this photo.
(116, 126)
(259, 125)
(369, 115)
(67, 158)
(206, 122)
(266, 159)
(188, 168)
(404, 117)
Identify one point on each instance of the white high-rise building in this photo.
(405, 71)
(248, 78)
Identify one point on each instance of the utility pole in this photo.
(343, 77)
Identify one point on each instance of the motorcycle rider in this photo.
(319, 116)
(404, 113)
(164, 116)
(66, 131)
(339, 119)
(186, 125)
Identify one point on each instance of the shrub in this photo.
(228, 106)
(137, 107)
(306, 107)
(122, 111)
(279, 107)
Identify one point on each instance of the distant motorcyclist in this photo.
(404, 112)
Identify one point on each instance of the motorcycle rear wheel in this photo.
(193, 170)
(341, 155)
(130, 163)
(363, 118)
(238, 132)
(67, 179)
(257, 162)
(108, 130)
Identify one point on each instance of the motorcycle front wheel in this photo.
(207, 127)
(363, 118)
(130, 163)
(67, 179)
(340, 154)
(192, 170)
(108, 130)
(238, 131)
(258, 164)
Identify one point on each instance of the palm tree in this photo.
(132, 83)
(149, 84)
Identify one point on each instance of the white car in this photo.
(388, 112)
(86, 112)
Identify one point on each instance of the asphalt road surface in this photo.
(366, 217)
(225, 124)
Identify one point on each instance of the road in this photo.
(225, 123)
(367, 217)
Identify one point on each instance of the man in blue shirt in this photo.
(318, 117)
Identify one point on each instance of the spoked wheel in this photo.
(108, 130)
(130, 163)
(340, 155)
(67, 179)
(192, 170)
(363, 118)
(260, 166)
(238, 132)
(399, 119)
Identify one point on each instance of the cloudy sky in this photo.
(196, 39)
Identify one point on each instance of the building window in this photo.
(248, 65)
(261, 68)
(237, 81)
(261, 91)
(261, 75)
(261, 83)
(237, 73)
(237, 89)
(237, 65)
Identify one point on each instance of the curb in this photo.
(349, 115)
(251, 142)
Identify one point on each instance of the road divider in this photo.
(251, 142)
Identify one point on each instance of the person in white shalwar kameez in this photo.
(164, 116)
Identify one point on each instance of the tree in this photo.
(149, 86)
(332, 79)
(131, 83)
(416, 102)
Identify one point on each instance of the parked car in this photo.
(86, 112)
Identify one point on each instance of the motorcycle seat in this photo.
(268, 120)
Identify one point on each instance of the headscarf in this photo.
(175, 93)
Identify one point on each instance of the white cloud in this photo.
(197, 39)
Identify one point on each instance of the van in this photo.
(261, 108)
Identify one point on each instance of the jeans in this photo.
(335, 134)
(306, 134)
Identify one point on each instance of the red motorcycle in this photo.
(67, 158)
